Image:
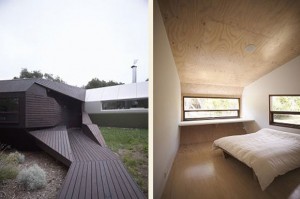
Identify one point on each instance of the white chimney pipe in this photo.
(133, 73)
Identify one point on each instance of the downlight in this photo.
(250, 48)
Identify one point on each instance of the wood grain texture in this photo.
(55, 141)
(206, 133)
(42, 111)
(96, 172)
(199, 172)
(188, 89)
(208, 38)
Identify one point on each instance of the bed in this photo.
(268, 152)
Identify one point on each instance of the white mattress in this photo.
(268, 152)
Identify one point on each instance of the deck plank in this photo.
(64, 189)
(105, 181)
(115, 180)
(83, 187)
(95, 171)
(122, 181)
(88, 191)
(94, 181)
(78, 182)
(71, 184)
(53, 140)
(129, 180)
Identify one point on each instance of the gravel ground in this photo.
(55, 171)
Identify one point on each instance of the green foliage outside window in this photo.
(285, 103)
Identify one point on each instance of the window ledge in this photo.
(218, 121)
(134, 110)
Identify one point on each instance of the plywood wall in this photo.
(208, 89)
(209, 133)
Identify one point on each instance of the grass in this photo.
(132, 147)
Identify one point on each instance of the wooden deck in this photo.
(95, 171)
(85, 149)
(56, 142)
(91, 130)
(99, 179)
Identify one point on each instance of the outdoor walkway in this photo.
(55, 141)
(95, 171)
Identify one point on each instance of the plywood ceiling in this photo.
(208, 38)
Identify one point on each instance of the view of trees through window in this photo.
(209, 108)
(125, 104)
(285, 109)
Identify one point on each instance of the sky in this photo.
(75, 39)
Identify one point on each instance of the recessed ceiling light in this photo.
(250, 48)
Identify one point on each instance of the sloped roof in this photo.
(21, 85)
(71, 91)
(17, 85)
(119, 92)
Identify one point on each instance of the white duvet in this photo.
(268, 152)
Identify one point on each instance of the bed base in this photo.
(226, 155)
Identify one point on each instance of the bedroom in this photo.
(226, 49)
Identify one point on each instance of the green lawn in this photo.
(132, 147)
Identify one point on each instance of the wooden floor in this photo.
(199, 172)
(95, 171)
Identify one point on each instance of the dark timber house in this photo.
(49, 115)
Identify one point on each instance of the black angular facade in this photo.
(29, 104)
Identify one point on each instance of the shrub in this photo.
(15, 158)
(8, 172)
(32, 178)
(8, 169)
(21, 158)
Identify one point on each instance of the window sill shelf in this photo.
(219, 121)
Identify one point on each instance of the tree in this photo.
(25, 74)
(96, 83)
(55, 79)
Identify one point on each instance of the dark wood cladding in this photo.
(47, 108)
(42, 111)
(42, 103)
(71, 109)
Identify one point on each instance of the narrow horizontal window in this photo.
(9, 110)
(200, 108)
(125, 104)
(285, 110)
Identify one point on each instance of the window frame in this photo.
(123, 101)
(16, 112)
(271, 113)
(211, 118)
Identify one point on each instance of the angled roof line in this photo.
(71, 91)
(22, 85)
